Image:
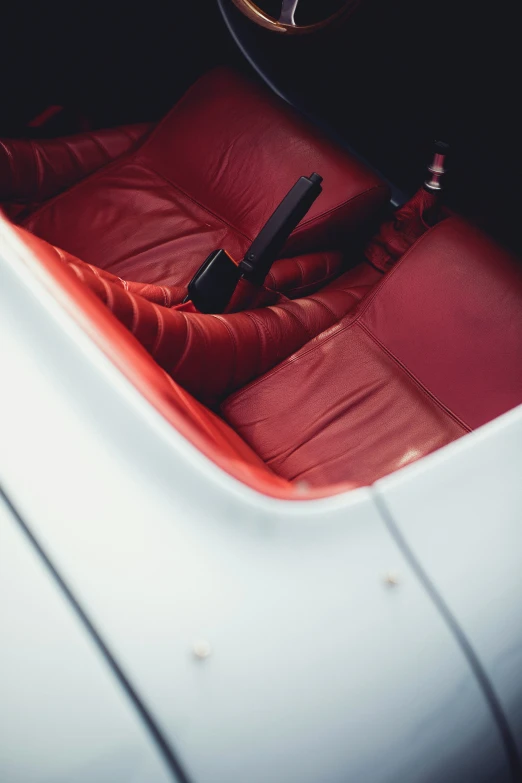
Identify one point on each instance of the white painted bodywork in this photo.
(319, 669)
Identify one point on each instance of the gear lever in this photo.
(413, 219)
(434, 182)
(436, 167)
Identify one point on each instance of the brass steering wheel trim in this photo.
(258, 16)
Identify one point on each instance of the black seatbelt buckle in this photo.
(212, 286)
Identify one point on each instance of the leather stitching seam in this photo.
(387, 277)
(152, 170)
(414, 378)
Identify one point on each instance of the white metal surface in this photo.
(319, 666)
(63, 716)
(460, 512)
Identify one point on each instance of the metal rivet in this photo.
(391, 579)
(201, 649)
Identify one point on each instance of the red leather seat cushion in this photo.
(451, 312)
(209, 176)
(339, 410)
(434, 352)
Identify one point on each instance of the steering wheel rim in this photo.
(286, 22)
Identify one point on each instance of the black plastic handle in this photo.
(269, 242)
(212, 286)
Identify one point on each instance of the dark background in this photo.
(399, 74)
(391, 79)
(114, 62)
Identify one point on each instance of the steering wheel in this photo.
(286, 22)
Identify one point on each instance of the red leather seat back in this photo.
(33, 170)
(208, 176)
(237, 150)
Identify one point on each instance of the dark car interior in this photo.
(389, 80)
(363, 310)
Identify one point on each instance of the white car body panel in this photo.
(319, 669)
(64, 717)
(461, 513)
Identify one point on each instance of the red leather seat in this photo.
(152, 204)
(432, 353)
(406, 363)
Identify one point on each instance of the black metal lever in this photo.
(212, 286)
(269, 242)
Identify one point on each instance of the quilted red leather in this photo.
(66, 276)
(212, 355)
(35, 170)
(208, 176)
(431, 353)
(210, 434)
